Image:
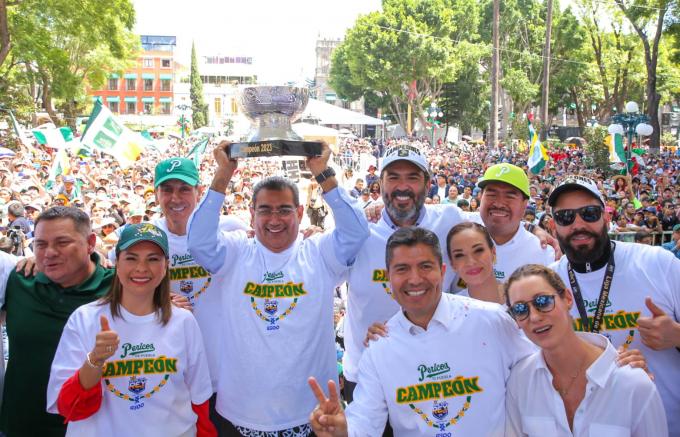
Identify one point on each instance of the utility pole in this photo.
(545, 122)
(492, 137)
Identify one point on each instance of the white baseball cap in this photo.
(404, 153)
(575, 182)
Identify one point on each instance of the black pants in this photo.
(349, 397)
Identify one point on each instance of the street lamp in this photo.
(432, 114)
(630, 122)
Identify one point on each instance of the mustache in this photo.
(501, 209)
(581, 233)
(408, 193)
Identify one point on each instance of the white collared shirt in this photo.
(524, 248)
(449, 378)
(619, 401)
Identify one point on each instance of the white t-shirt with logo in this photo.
(192, 281)
(640, 271)
(446, 380)
(150, 382)
(369, 298)
(524, 248)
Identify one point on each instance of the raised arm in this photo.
(203, 236)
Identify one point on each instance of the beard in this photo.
(583, 254)
(398, 215)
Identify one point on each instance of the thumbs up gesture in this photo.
(659, 331)
(106, 342)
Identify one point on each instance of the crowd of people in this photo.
(424, 285)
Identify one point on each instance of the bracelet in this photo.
(91, 364)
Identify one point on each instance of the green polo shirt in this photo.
(37, 310)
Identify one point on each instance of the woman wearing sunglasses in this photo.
(132, 362)
(572, 386)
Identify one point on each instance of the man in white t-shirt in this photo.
(178, 189)
(628, 292)
(277, 290)
(443, 368)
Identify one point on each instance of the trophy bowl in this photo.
(271, 110)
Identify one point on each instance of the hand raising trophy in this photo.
(271, 110)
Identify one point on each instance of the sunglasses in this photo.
(543, 303)
(589, 214)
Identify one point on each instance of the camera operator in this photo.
(16, 215)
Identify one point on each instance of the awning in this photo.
(330, 97)
(166, 76)
(130, 99)
(113, 99)
(113, 76)
(130, 75)
(165, 99)
(95, 98)
(331, 114)
(147, 99)
(148, 76)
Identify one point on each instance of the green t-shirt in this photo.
(37, 310)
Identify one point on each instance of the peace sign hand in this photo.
(328, 418)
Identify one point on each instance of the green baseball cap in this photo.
(176, 168)
(507, 173)
(133, 234)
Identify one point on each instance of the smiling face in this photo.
(276, 219)
(581, 241)
(177, 200)
(141, 268)
(416, 276)
(62, 252)
(545, 329)
(471, 256)
(502, 208)
(403, 190)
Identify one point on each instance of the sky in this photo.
(279, 35)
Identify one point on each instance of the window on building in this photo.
(113, 106)
(165, 108)
(165, 63)
(147, 62)
(218, 106)
(113, 84)
(130, 107)
(148, 107)
(234, 106)
(165, 85)
(130, 84)
(148, 84)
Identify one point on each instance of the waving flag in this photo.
(197, 151)
(538, 156)
(107, 134)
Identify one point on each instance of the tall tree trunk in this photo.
(5, 42)
(47, 94)
(492, 138)
(545, 122)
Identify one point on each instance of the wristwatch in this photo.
(321, 177)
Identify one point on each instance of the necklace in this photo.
(565, 391)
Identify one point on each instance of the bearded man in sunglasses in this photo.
(628, 292)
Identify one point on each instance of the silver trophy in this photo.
(271, 110)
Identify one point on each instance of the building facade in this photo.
(322, 89)
(144, 94)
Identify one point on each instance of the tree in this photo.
(59, 48)
(198, 106)
(404, 54)
(647, 18)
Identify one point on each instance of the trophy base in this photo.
(277, 147)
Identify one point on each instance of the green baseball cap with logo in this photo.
(176, 168)
(133, 234)
(507, 173)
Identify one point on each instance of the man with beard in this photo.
(627, 292)
(404, 179)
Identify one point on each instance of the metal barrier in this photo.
(658, 238)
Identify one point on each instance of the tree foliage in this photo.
(59, 48)
(198, 106)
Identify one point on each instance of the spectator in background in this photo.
(674, 244)
(358, 186)
(441, 188)
(668, 217)
(371, 176)
(463, 204)
(16, 216)
(644, 237)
